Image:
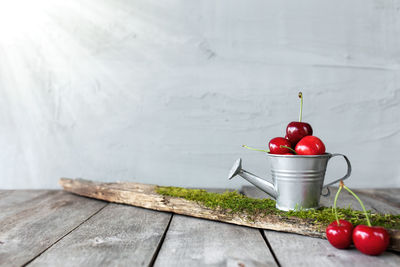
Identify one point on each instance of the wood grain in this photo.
(297, 250)
(390, 196)
(118, 235)
(14, 201)
(143, 195)
(197, 242)
(290, 249)
(32, 221)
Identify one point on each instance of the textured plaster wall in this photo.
(166, 92)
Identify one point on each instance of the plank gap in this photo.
(58, 240)
(155, 255)
(269, 246)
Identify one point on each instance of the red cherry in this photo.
(310, 145)
(370, 240)
(276, 143)
(286, 137)
(339, 235)
(295, 131)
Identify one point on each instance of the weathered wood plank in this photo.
(118, 235)
(31, 221)
(389, 195)
(13, 201)
(144, 195)
(196, 242)
(374, 204)
(297, 250)
(5, 193)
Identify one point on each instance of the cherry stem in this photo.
(291, 149)
(362, 205)
(255, 149)
(334, 204)
(301, 106)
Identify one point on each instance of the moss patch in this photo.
(236, 203)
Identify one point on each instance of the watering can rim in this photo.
(325, 155)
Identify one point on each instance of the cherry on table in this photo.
(370, 240)
(340, 235)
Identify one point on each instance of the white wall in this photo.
(166, 92)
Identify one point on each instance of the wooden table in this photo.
(56, 228)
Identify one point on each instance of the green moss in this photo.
(235, 203)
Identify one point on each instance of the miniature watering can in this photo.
(297, 180)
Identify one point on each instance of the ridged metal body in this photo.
(297, 181)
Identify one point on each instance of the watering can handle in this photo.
(340, 179)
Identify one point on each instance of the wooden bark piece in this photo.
(118, 235)
(144, 195)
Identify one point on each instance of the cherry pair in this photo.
(370, 240)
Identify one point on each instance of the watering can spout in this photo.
(265, 186)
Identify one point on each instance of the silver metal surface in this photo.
(297, 181)
(266, 186)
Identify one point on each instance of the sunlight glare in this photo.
(21, 19)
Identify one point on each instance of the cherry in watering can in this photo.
(297, 180)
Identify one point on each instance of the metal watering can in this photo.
(297, 180)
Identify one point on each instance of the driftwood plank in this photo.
(196, 242)
(297, 250)
(143, 195)
(118, 235)
(30, 223)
